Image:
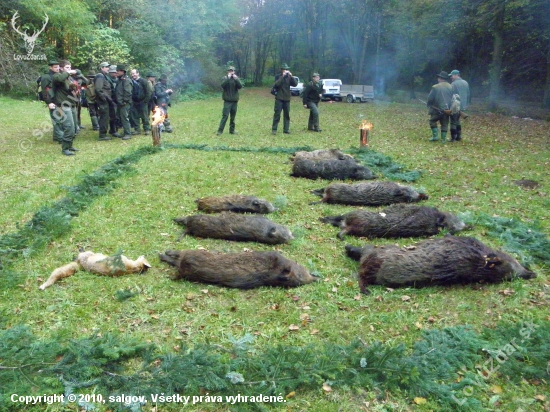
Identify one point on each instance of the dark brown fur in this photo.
(395, 221)
(234, 203)
(442, 261)
(369, 194)
(234, 226)
(238, 270)
(340, 169)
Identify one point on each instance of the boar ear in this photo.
(255, 202)
(285, 274)
(492, 260)
(272, 232)
(398, 192)
(440, 221)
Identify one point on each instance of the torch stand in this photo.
(155, 132)
(364, 137)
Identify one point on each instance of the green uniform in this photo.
(104, 100)
(140, 109)
(439, 99)
(311, 98)
(461, 88)
(282, 102)
(230, 96)
(123, 93)
(65, 101)
(48, 91)
(163, 101)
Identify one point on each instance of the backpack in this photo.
(138, 94)
(89, 94)
(43, 87)
(455, 104)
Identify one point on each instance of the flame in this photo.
(366, 125)
(157, 116)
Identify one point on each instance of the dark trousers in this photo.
(442, 118)
(285, 107)
(139, 112)
(56, 115)
(455, 121)
(123, 111)
(103, 114)
(66, 119)
(313, 122)
(229, 110)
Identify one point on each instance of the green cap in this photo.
(104, 64)
(53, 62)
(443, 75)
(285, 66)
(316, 75)
(231, 68)
(164, 76)
(454, 72)
(121, 67)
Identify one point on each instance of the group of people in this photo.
(446, 103)
(312, 94)
(113, 98)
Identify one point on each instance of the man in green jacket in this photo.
(282, 99)
(64, 104)
(103, 99)
(48, 92)
(230, 86)
(439, 100)
(310, 98)
(462, 88)
(123, 93)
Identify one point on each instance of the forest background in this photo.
(501, 47)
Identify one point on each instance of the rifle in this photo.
(446, 112)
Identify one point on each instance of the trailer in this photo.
(352, 93)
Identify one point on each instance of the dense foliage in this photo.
(502, 47)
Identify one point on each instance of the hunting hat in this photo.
(164, 76)
(316, 75)
(53, 63)
(112, 68)
(150, 75)
(104, 64)
(121, 67)
(230, 68)
(285, 66)
(454, 72)
(91, 73)
(443, 75)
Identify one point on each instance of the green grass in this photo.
(473, 176)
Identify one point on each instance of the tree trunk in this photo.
(546, 99)
(496, 65)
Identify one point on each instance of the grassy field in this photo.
(474, 176)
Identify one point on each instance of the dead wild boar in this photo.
(442, 261)
(339, 169)
(322, 154)
(234, 226)
(369, 194)
(237, 270)
(234, 203)
(400, 220)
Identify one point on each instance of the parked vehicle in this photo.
(356, 93)
(297, 90)
(332, 89)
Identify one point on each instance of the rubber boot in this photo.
(435, 132)
(458, 133)
(443, 137)
(113, 129)
(95, 123)
(453, 135)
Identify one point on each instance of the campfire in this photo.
(364, 133)
(157, 119)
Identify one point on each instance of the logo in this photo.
(29, 40)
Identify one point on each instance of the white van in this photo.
(331, 89)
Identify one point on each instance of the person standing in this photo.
(462, 88)
(46, 85)
(151, 88)
(123, 92)
(439, 100)
(163, 99)
(311, 97)
(140, 98)
(64, 103)
(114, 120)
(230, 86)
(89, 95)
(103, 99)
(282, 99)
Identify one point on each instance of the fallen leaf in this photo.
(314, 331)
(357, 297)
(327, 388)
(293, 327)
(496, 389)
(405, 298)
(419, 325)
(506, 292)
(420, 401)
(541, 398)
(290, 395)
